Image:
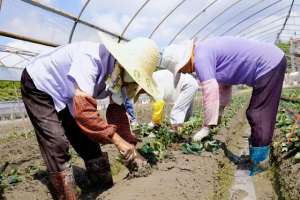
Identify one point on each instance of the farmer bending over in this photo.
(225, 61)
(59, 90)
(181, 96)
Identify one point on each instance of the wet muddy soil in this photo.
(179, 176)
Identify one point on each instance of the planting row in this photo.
(157, 140)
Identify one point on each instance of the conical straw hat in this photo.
(139, 57)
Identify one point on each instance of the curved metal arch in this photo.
(263, 31)
(268, 36)
(71, 17)
(193, 19)
(213, 19)
(217, 28)
(133, 17)
(273, 32)
(15, 50)
(248, 17)
(260, 25)
(270, 39)
(264, 18)
(286, 19)
(28, 39)
(76, 21)
(164, 19)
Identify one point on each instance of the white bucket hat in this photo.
(139, 57)
(176, 56)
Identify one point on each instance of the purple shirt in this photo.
(232, 60)
(57, 72)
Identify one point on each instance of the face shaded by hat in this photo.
(139, 57)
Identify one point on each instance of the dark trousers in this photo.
(263, 106)
(54, 131)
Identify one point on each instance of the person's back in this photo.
(53, 71)
(235, 60)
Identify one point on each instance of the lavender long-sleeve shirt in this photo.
(235, 60)
(230, 61)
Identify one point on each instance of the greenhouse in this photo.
(149, 99)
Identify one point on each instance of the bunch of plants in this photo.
(9, 90)
(8, 179)
(157, 140)
(288, 122)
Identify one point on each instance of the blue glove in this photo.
(257, 155)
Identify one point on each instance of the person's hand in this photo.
(121, 144)
(128, 151)
(135, 163)
(204, 132)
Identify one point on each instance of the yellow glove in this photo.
(158, 111)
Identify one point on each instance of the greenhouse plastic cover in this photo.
(29, 27)
(10, 73)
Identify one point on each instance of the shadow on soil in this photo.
(80, 179)
(242, 162)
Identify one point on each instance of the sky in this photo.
(231, 17)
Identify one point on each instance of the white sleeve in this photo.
(188, 89)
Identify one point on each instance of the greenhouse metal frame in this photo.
(262, 20)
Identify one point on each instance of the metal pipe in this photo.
(28, 39)
(162, 21)
(264, 25)
(76, 21)
(14, 49)
(272, 33)
(286, 19)
(273, 37)
(269, 39)
(131, 20)
(221, 13)
(229, 20)
(252, 15)
(71, 17)
(267, 34)
(263, 31)
(193, 19)
(266, 17)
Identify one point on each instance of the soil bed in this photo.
(286, 172)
